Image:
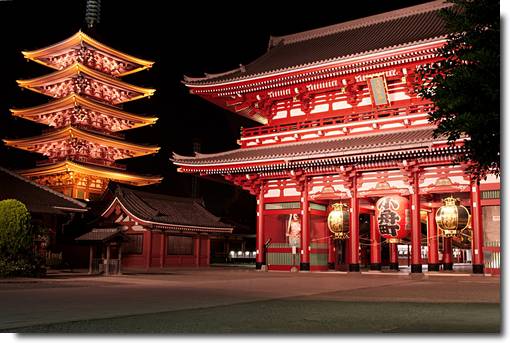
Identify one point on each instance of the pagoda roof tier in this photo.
(51, 112)
(80, 79)
(93, 171)
(60, 140)
(80, 48)
(335, 43)
(168, 212)
(375, 147)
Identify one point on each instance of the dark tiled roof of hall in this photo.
(339, 41)
(343, 146)
(161, 208)
(37, 198)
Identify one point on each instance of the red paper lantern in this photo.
(392, 215)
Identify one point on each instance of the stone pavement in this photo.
(62, 298)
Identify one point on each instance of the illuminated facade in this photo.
(85, 119)
(342, 123)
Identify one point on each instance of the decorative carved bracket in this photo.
(249, 182)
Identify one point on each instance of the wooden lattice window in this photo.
(179, 245)
(135, 244)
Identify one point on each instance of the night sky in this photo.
(190, 39)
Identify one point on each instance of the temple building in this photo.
(84, 140)
(345, 144)
(161, 230)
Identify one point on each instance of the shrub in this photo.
(16, 241)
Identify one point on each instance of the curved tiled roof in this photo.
(37, 198)
(370, 34)
(166, 209)
(344, 146)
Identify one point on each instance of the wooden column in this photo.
(197, 250)
(305, 228)
(375, 244)
(476, 220)
(227, 249)
(260, 259)
(148, 250)
(208, 250)
(107, 267)
(415, 225)
(393, 256)
(447, 254)
(331, 253)
(162, 250)
(433, 259)
(354, 227)
(91, 258)
(120, 258)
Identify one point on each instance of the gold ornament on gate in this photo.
(452, 218)
(338, 221)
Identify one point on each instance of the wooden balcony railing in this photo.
(357, 116)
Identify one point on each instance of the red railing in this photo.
(356, 116)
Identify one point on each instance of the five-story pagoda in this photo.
(84, 143)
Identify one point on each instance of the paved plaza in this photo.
(243, 300)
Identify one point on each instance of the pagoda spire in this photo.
(92, 13)
(84, 142)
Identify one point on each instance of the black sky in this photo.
(185, 37)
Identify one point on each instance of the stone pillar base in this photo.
(331, 265)
(447, 266)
(375, 266)
(416, 268)
(394, 266)
(478, 268)
(354, 267)
(258, 265)
(434, 267)
(304, 266)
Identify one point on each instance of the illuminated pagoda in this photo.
(85, 119)
(342, 123)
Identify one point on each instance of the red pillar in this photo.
(260, 260)
(393, 256)
(354, 228)
(476, 220)
(433, 259)
(162, 250)
(375, 245)
(447, 254)
(208, 250)
(148, 249)
(415, 226)
(196, 248)
(305, 229)
(331, 253)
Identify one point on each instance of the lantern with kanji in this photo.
(338, 221)
(452, 218)
(392, 215)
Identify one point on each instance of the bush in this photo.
(21, 267)
(17, 235)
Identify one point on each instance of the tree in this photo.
(464, 87)
(15, 228)
(16, 240)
